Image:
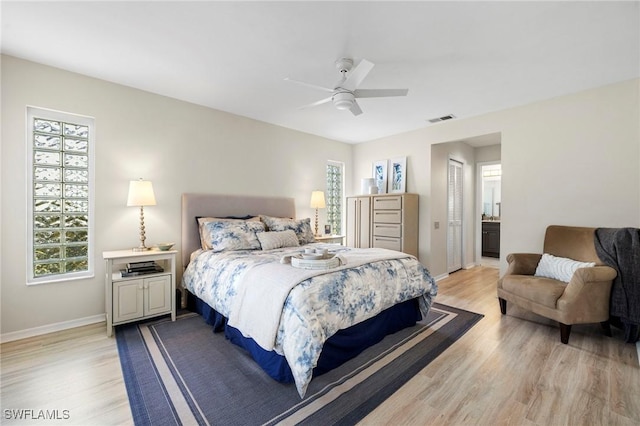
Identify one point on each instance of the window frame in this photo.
(33, 112)
(341, 165)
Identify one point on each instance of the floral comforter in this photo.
(317, 307)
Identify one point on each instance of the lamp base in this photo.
(142, 247)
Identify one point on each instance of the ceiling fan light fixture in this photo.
(343, 100)
(345, 92)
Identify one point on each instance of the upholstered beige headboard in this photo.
(218, 205)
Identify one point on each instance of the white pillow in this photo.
(278, 239)
(559, 268)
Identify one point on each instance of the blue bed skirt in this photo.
(338, 349)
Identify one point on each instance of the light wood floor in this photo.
(513, 370)
(506, 370)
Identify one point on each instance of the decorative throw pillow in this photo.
(202, 220)
(221, 235)
(301, 227)
(278, 239)
(559, 268)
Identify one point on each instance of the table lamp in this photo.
(140, 195)
(317, 202)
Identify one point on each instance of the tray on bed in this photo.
(328, 261)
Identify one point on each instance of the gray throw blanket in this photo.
(620, 249)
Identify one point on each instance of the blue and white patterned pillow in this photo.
(222, 235)
(559, 268)
(202, 220)
(301, 227)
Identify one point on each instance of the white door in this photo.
(454, 220)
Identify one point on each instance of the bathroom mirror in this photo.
(491, 191)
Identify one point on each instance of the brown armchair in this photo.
(585, 299)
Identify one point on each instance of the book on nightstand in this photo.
(134, 265)
(140, 268)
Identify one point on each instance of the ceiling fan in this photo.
(346, 92)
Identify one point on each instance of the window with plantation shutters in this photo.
(60, 196)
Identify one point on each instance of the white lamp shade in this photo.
(317, 200)
(141, 193)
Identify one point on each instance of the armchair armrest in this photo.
(589, 286)
(595, 274)
(522, 263)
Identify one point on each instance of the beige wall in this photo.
(569, 160)
(572, 160)
(179, 146)
(491, 153)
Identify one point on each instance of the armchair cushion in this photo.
(544, 291)
(559, 268)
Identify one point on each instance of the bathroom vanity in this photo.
(491, 238)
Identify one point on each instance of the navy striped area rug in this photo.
(182, 373)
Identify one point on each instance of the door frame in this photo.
(478, 220)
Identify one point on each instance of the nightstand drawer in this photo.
(388, 243)
(387, 216)
(387, 230)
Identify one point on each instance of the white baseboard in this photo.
(638, 348)
(470, 265)
(50, 328)
(441, 277)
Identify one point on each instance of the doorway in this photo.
(490, 203)
(454, 216)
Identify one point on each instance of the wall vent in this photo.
(443, 118)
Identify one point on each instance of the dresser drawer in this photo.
(387, 243)
(387, 230)
(387, 203)
(387, 216)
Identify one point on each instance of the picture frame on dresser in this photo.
(380, 175)
(397, 175)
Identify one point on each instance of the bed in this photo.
(296, 323)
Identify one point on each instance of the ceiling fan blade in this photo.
(320, 102)
(358, 74)
(379, 93)
(355, 108)
(313, 86)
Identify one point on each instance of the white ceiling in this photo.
(461, 58)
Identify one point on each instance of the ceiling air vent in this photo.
(443, 118)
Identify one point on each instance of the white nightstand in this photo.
(330, 239)
(129, 299)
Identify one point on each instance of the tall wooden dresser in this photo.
(384, 220)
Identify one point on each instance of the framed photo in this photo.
(398, 174)
(327, 229)
(380, 175)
